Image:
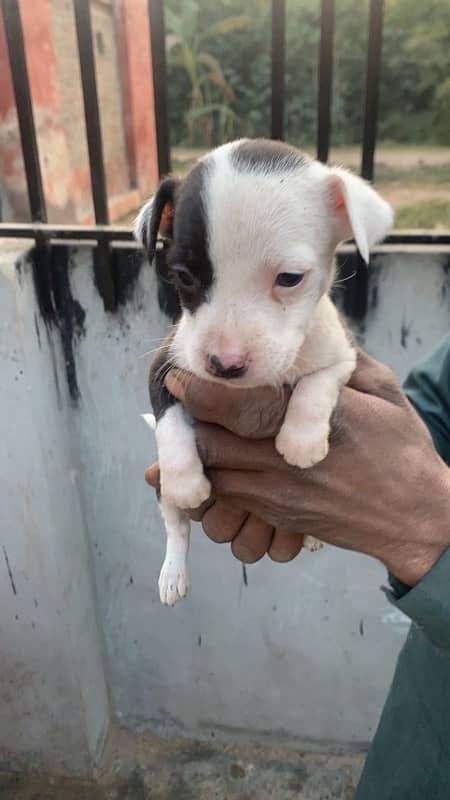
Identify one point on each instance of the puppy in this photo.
(249, 238)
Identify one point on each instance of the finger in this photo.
(252, 491)
(243, 485)
(218, 447)
(285, 545)
(222, 523)
(152, 475)
(253, 413)
(373, 377)
(197, 514)
(253, 540)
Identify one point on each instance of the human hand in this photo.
(382, 490)
(240, 412)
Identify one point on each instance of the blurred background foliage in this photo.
(219, 71)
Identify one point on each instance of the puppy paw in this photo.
(312, 544)
(173, 582)
(302, 447)
(187, 488)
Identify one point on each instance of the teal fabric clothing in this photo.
(410, 755)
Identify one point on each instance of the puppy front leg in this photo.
(183, 485)
(303, 436)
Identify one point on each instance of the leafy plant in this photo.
(210, 117)
(220, 70)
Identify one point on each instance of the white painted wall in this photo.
(54, 709)
(306, 649)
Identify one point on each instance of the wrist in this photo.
(425, 536)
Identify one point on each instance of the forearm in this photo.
(426, 535)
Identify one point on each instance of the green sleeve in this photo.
(428, 603)
(409, 756)
(428, 388)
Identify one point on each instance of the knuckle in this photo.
(389, 388)
(249, 421)
(262, 415)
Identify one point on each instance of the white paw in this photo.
(312, 544)
(185, 488)
(302, 446)
(173, 582)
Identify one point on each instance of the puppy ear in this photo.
(157, 217)
(358, 210)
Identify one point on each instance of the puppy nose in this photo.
(228, 365)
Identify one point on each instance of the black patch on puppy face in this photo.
(190, 240)
(265, 155)
(160, 397)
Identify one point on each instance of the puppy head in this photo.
(253, 230)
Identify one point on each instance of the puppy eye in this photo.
(289, 279)
(183, 277)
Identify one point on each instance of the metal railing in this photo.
(101, 235)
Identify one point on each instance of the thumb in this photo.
(374, 378)
(152, 475)
(252, 413)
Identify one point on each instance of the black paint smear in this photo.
(40, 259)
(404, 334)
(70, 315)
(126, 267)
(36, 327)
(446, 282)
(374, 297)
(244, 575)
(8, 567)
(350, 292)
(57, 305)
(361, 627)
(199, 641)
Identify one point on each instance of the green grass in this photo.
(414, 175)
(421, 178)
(432, 214)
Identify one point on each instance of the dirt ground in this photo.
(415, 179)
(396, 156)
(153, 769)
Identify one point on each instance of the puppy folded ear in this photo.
(157, 217)
(358, 210)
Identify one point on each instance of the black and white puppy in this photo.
(252, 232)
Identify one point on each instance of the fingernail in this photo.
(174, 384)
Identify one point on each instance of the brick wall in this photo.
(72, 110)
(125, 94)
(110, 96)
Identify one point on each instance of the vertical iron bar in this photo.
(372, 88)
(102, 254)
(325, 79)
(22, 94)
(158, 51)
(278, 67)
(91, 110)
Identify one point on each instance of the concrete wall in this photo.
(53, 694)
(305, 650)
